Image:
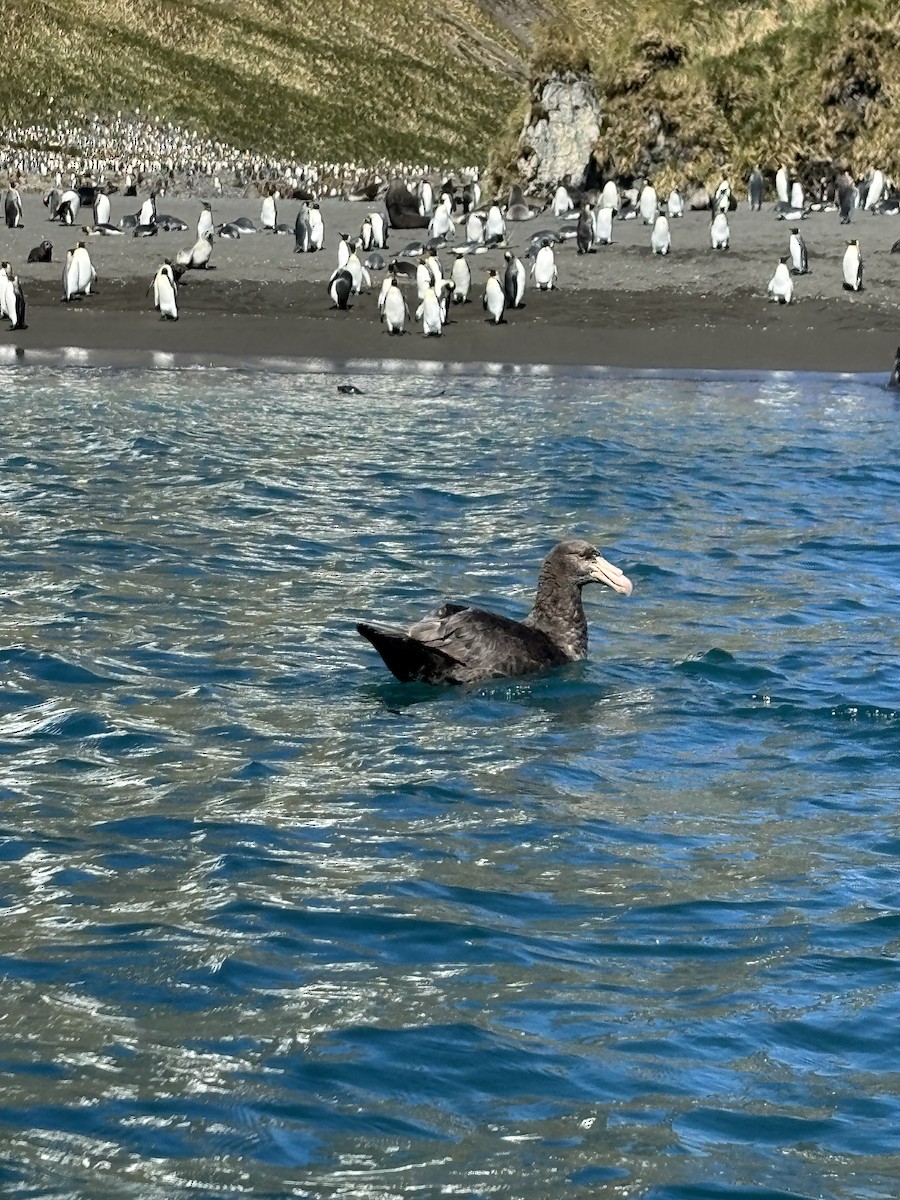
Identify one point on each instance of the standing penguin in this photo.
(78, 273)
(18, 306)
(797, 196)
(853, 267)
(7, 300)
(196, 257)
(475, 229)
(358, 273)
(647, 204)
(722, 196)
(394, 313)
(365, 235)
(101, 209)
(461, 278)
(847, 195)
(609, 197)
(433, 263)
(719, 232)
(675, 204)
(165, 291)
(51, 200)
(875, 190)
(782, 185)
(797, 248)
(543, 270)
(302, 231)
(316, 227)
(205, 224)
(756, 187)
(268, 213)
(343, 250)
(429, 313)
(67, 210)
(603, 219)
(781, 286)
(494, 301)
(514, 280)
(147, 215)
(661, 238)
(562, 201)
(584, 233)
(340, 287)
(12, 209)
(424, 278)
(441, 223)
(495, 226)
(379, 230)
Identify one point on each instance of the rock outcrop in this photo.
(560, 132)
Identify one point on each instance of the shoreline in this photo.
(617, 308)
(641, 333)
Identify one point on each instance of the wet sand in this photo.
(617, 307)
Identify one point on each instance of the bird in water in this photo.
(459, 644)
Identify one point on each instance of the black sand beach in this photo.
(618, 307)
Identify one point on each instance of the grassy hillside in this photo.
(689, 86)
(360, 79)
(692, 87)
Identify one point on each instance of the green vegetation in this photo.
(689, 87)
(356, 81)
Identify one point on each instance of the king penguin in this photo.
(853, 267)
(101, 209)
(781, 286)
(461, 277)
(603, 219)
(78, 273)
(18, 305)
(755, 190)
(719, 232)
(797, 248)
(494, 301)
(514, 280)
(205, 220)
(394, 312)
(584, 234)
(544, 270)
(647, 204)
(429, 313)
(13, 209)
(661, 238)
(340, 287)
(165, 291)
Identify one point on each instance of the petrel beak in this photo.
(604, 572)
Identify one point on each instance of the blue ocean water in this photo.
(274, 925)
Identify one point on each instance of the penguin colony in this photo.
(453, 221)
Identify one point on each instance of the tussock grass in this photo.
(358, 81)
(689, 87)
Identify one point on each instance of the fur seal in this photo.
(403, 207)
(41, 253)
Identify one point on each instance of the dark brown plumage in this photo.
(458, 644)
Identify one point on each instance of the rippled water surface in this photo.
(273, 924)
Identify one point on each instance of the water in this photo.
(275, 925)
